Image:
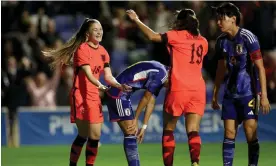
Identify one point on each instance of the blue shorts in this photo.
(239, 109)
(119, 109)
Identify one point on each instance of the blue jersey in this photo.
(149, 75)
(242, 79)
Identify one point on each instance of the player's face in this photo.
(225, 23)
(95, 32)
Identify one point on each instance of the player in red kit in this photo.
(90, 60)
(186, 94)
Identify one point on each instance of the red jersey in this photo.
(96, 58)
(187, 53)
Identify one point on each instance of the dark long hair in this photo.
(186, 20)
(63, 55)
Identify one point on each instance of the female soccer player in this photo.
(90, 59)
(148, 75)
(240, 49)
(187, 93)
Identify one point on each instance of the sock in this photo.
(76, 150)
(91, 151)
(131, 150)
(253, 153)
(168, 146)
(194, 146)
(228, 151)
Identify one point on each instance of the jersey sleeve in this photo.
(168, 37)
(155, 83)
(106, 59)
(253, 46)
(219, 50)
(81, 58)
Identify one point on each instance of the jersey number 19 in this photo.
(199, 51)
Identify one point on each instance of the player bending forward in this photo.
(148, 75)
(187, 91)
(245, 80)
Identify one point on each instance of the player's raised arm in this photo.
(151, 35)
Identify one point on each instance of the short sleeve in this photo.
(106, 59)
(81, 58)
(252, 45)
(154, 84)
(219, 50)
(168, 37)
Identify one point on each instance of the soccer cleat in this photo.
(195, 164)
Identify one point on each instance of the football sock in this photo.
(194, 146)
(168, 146)
(76, 150)
(131, 150)
(253, 152)
(228, 151)
(91, 151)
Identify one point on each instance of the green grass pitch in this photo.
(113, 155)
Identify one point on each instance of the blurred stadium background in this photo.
(35, 128)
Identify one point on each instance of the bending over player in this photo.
(148, 75)
(245, 80)
(187, 91)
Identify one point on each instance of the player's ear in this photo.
(234, 18)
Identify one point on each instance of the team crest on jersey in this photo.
(103, 57)
(239, 48)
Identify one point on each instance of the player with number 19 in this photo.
(238, 50)
(187, 92)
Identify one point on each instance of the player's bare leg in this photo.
(94, 134)
(230, 132)
(250, 129)
(192, 123)
(168, 142)
(130, 143)
(78, 142)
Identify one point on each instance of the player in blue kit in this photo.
(238, 50)
(148, 75)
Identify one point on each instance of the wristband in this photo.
(144, 126)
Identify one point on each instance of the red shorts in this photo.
(88, 110)
(183, 102)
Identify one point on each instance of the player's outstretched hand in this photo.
(132, 15)
(141, 135)
(126, 88)
(265, 106)
(215, 105)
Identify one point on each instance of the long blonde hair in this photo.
(63, 55)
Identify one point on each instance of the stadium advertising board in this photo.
(45, 127)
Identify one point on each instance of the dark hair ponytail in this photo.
(186, 20)
(64, 54)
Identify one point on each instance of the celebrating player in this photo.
(148, 75)
(241, 51)
(90, 59)
(187, 93)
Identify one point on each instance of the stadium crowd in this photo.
(29, 27)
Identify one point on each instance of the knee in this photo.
(95, 135)
(230, 133)
(192, 128)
